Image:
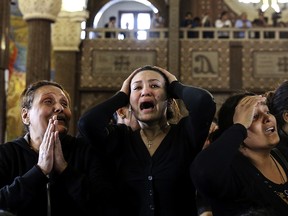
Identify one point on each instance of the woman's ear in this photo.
(121, 113)
(285, 119)
(285, 116)
(25, 116)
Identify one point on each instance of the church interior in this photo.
(69, 42)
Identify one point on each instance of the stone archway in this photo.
(95, 6)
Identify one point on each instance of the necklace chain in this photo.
(282, 177)
(150, 141)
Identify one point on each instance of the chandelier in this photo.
(265, 4)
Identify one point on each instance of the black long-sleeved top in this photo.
(283, 144)
(160, 184)
(24, 186)
(231, 182)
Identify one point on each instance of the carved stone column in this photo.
(174, 8)
(4, 61)
(66, 38)
(39, 14)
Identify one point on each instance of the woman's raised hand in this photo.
(126, 84)
(245, 110)
(171, 77)
(59, 162)
(46, 149)
(50, 151)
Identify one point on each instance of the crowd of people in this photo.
(225, 20)
(135, 155)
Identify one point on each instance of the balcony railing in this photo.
(202, 33)
(120, 34)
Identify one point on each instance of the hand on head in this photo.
(169, 75)
(126, 84)
(245, 110)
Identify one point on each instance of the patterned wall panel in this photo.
(265, 64)
(90, 99)
(106, 63)
(205, 63)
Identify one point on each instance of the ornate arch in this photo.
(95, 6)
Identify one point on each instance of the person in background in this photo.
(275, 18)
(111, 25)
(124, 115)
(206, 22)
(152, 175)
(243, 23)
(203, 204)
(278, 105)
(240, 170)
(188, 23)
(261, 20)
(47, 171)
(223, 22)
(188, 20)
(157, 21)
(213, 127)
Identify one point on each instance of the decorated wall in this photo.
(16, 79)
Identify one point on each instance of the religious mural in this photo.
(16, 79)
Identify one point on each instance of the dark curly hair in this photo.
(226, 113)
(278, 103)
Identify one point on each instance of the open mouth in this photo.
(61, 118)
(270, 130)
(147, 105)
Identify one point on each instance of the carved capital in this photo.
(40, 9)
(66, 31)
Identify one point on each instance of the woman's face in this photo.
(48, 101)
(148, 96)
(263, 131)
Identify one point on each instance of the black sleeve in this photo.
(202, 204)
(211, 170)
(201, 107)
(22, 189)
(92, 125)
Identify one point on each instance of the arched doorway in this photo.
(129, 15)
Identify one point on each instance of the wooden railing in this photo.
(190, 33)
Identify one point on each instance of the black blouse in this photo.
(159, 185)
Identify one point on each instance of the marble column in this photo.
(39, 15)
(66, 38)
(4, 62)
